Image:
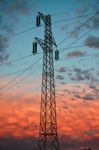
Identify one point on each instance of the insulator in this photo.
(34, 48)
(56, 55)
(38, 21)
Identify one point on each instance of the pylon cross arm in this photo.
(40, 42)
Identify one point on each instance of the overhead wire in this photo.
(88, 55)
(71, 43)
(61, 59)
(76, 41)
(15, 72)
(53, 14)
(83, 24)
(62, 49)
(59, 42)
(95, 54)
(21, 73)
(17, 59)
(83, 45)
(63, 20)
(20, 80)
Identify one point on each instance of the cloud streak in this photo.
(92, 41)
(10, 13)
(76, 54)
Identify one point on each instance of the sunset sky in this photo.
(75, 26)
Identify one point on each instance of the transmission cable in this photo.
(20, 74)
(76, 29)
(20, 80)
(79, 38)
(65, 48)
(17, 59)
(59, 42)
(9, 74)
(63, 20)
(88, 55)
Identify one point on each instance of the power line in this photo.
(70, 44)
(20, 80)
(9, 74)
(17, 59)
(63, 20)
(65, 48)
(88, 55)
(76, 29)
(20, 74)
(73, 18)
(21, 32)
(79, 37)
(54, 14)
(59, 42)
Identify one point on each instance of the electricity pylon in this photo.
(48, 138)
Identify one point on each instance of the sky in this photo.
(75, 27)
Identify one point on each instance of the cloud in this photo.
(80, 75)
(3, 45)
(82, 10)
(76, 54)
(92, 41)
(88, 97)
(77, 120)
(62, 69)
(64, 27)
(59, 77)
(10, 13)
(95, 21)
(4, 57)
(92, 24)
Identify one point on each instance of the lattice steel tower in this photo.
(48, 139)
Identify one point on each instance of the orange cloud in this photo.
(19, 115)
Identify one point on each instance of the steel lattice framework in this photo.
(48, 139)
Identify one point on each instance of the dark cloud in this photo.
(3, 45)
(76, 53)
(96, 6)
(77, 29)
(97, 73)
(4, 57)
(64, 27)
(63, 83)
(82, 10)
(92, 41)
(95, 21)
(77, 96)
(80, 75)
(88, 97)
(92, 24)
(67, 91)
(62, 69)
(95, 91)
(10, 13)
(59, 77)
